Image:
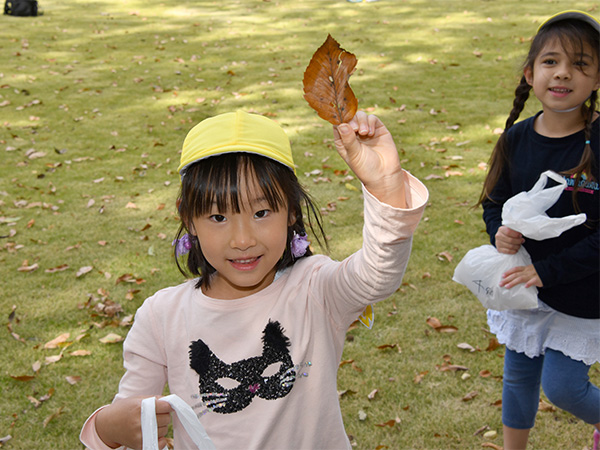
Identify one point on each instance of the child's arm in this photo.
(119, 423)
(369, 150)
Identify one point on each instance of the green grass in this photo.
(107, 90)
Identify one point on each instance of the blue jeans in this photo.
(564, 381)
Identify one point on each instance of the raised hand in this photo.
(366, 145)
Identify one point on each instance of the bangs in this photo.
(573, 35)
(225, 183)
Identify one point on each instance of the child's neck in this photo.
(559, 124)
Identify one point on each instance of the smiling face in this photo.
(563, 79)
(244, 243)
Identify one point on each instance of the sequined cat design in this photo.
(250, 374)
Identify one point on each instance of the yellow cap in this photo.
(236, 132)
(571, 14)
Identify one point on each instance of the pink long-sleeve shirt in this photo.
(255, 392)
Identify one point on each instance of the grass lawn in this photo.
(95, 100)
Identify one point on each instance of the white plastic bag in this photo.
(525, 212)
(481, 271)
(186, 416)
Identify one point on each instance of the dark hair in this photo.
(217, 180)
(572, 34)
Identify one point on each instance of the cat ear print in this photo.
(273, 336)
(200, 357)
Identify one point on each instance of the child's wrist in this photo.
(390, 189)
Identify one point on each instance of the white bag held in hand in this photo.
(481, 271)
(525, 212)
(186, 416)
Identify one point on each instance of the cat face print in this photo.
(269, 376)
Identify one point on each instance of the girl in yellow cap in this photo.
(555, 344)
(252, 343)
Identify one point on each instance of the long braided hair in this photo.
(572, 34)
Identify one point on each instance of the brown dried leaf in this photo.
(470, 396)
(53, 416)
(418, 378)
(111, 338)
(389, 423)
(493, 345)
(326, 87)
(546, 407)
(57, 341)
(491, 445)
(73, 379)
(60, 268)
(83, 270)
(22, 377)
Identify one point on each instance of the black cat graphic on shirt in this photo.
(251, 374)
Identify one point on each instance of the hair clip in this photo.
(299, 245)
(587, 142)
(182, 245)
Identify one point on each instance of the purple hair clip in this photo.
(182, 245)
(299, 245)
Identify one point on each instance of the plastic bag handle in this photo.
(543, 180)
(186, 416)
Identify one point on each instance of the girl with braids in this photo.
(555, 344)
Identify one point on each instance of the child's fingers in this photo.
(520, 274)
(163, 407)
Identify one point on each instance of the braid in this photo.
(499, 158)
(587, 161)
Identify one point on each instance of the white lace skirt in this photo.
(532, 331)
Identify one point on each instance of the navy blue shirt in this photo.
(568, 265)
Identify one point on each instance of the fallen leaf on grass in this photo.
(326, 87)
(57, 341)
(465, 346)
(60, 268)
(435, 323)
(53, 359)
(493, 345)
(81, 353)
(73, 379)
(25, 267)
(390, 423)
(445, 256)
(36, 403)
(470, 396)
(386, 346)
(491, 445)
(23, 377)
(372, 394)
(53, 416)
(481, 430)
(129, 278)
(546, 407)
(418, 378)
(83, 270)
(450, 367)
(111, 338)
(345, 392)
